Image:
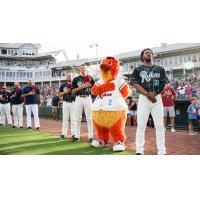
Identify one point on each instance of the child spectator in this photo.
(192, 115)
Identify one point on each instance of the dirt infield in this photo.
(177, 144)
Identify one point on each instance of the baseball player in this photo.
(31, 95)
(82, 85)
(68, 109)
(5, 106)
(17, 106)
(149, 80)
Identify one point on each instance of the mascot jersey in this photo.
(111, 100)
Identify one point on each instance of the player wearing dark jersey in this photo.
(149, 80)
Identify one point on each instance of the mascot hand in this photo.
(109, 86)
(99, 89)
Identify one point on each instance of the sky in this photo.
(116, 26)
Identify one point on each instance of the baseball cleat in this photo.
(90, 140)
(173, 130)
(119, 146)
(75, 139)
(98, 143)
(62, 137)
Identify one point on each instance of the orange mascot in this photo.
(109, 110)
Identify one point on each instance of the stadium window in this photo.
(175, 60)
(161, 62)
(4, 51)
(198, 57)
(180, 58)
(189, 58)
(165, 61)
(194, 58)
(170, 61)
(15, 52)
(185, 59)
(31, 74)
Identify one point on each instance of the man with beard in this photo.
(82, 85)
(68, 109)
(5, 106)
(17, 108)
(149, 81)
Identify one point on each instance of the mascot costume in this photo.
(109, 110)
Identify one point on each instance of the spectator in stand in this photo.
(150, 122)
(128, 121)
(188, 91)
(168, 97)
(49, 101)
(194, 90)
(181, 91)
(192, 116)
(134, 92)
(133, 109)
(55, 103)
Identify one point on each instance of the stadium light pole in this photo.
(96, 48)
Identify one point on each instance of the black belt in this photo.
(84, 96)
(4, 102)
(69, 101)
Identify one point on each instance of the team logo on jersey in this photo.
(79, 83)
(104, 94)
(147, 77)
(65, 89)
(110, 102)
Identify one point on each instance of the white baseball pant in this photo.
(80, 104)
(68, 111)
(34, 109)
(17, 115)
(145, 107)
(5, 111)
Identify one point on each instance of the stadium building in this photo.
(22, 61)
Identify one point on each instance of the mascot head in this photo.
(109, 68)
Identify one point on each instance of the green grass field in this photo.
(29, 142)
